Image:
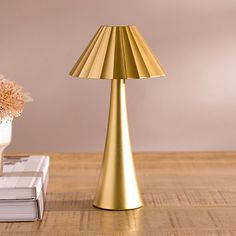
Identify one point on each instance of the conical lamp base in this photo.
(117, 188)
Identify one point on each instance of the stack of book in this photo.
(23, 188)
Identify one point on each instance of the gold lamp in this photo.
(117, 53)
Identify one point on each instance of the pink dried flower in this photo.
(12, 99)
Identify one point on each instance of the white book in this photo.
(23, 188)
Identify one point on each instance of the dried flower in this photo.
(12, 99)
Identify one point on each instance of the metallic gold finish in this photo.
(118, 188)
(117, 53)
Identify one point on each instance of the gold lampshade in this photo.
(117, 52)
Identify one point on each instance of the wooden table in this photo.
(184, 194)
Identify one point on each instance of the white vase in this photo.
(5, 139)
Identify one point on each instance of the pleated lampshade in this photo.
(117, 52)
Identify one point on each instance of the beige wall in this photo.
(193, 108)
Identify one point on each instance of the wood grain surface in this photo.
(184, 194)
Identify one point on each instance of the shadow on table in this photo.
(82, 216)
(70, 205)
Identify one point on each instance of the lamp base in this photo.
(118, 188)
(109, 209)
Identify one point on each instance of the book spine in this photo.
(43, 174)
(41, 195)
(40, 203)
